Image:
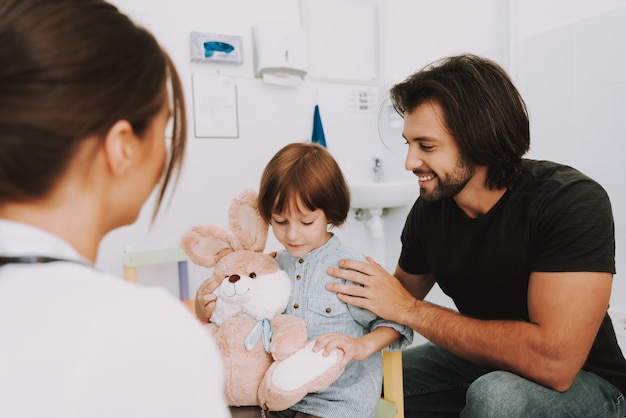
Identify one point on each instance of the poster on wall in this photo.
(215, 106)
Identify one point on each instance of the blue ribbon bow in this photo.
(263, 328)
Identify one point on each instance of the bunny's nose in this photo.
(234, 278)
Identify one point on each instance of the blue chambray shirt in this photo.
(357, 391)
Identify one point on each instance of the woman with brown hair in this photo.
(85, 100)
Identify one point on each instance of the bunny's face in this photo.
(236, 255)
(245, 263)
(251, 284)
(241, 272)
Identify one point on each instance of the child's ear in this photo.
(118, 146)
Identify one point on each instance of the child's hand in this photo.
(353, 348)
(205, 299)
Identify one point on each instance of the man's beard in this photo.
(450, 184)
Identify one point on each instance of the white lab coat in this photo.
(76, 342)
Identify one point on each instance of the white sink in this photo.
(381, 195)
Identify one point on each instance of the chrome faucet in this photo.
(378, 169)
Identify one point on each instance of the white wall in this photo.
(269, 117)
(415, 33)
(216, 169)
(565, 56)
(569, 63)
(572, 74)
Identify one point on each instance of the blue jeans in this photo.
(439, 384)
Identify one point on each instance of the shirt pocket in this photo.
(327, 315)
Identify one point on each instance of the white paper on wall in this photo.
(215, 106)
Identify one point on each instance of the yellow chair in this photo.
(390, 406)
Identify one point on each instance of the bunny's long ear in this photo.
(206, 245)
(246, 222)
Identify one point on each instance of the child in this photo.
(302, 192)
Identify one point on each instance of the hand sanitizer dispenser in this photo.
(280, 55)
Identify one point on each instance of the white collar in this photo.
(17, 239)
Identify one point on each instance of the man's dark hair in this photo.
(483, 111)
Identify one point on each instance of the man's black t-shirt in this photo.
(555, 219)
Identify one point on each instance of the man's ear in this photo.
(118, 146)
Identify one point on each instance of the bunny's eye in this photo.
(252, 275)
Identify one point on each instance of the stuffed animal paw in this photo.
(288, 381)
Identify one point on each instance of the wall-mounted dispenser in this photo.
(213, 47)
(280, 54)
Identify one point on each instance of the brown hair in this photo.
(70, 70)
(307, 172)
(483, 111)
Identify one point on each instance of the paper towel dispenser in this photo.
(280, 54)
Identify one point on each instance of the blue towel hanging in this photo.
(318, 130)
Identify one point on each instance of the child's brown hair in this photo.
(309, 173)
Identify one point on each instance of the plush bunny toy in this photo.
(266, 356)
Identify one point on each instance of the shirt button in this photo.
(328, 310)
(295, 306)
(298, 277)
(301, 260)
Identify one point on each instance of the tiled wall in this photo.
(573, 78)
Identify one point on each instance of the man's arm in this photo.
(417, 285)
(565, 311)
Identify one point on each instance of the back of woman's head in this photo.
(484, 112)
(70, 70)
(308, 173)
